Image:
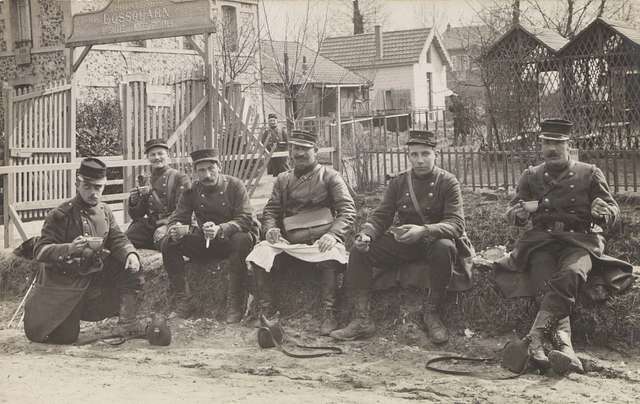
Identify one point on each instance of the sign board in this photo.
(132, 20)
(159, 96)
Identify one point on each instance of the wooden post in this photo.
(71, 140)
(125, 104)
(8, 179)
(337, 154)
(211, 138)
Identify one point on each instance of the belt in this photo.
(563, 227)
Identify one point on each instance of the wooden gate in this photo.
(174, 108)
(39, 128)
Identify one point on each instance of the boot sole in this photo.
(562, 363)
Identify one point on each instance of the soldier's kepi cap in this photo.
(555, 129)
(274, 116)
(151, 143)
(199, 156)
(93, 170)
(303, 138)
(424, 137)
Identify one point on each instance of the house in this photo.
(408, 68)
(464, 45)
(32, 49)
(316, 83)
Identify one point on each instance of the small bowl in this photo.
(181, 229)
(95, 242)
(530, 206)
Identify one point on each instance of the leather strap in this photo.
(480, 375)
(414, 200)
(332, 350)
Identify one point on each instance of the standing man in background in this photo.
(275, 139)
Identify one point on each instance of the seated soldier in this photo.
(226, 229)
(567, 202)
(430, 228)
(309, 205)
(151, 205)
(91, 269)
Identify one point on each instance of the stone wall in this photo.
(51, 17)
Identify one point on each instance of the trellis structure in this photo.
(521, 71)
(601, 71)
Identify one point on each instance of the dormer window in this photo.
(429, 54)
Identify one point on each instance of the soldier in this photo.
(91, 269)
(430, 228)
(567, 202)
(226, 229)
(150, 206)
(310, 193)
(274, 138)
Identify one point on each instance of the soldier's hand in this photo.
(362, 242)
(273, 235)
(133, 263)
(326, 242)
(519, 211)
(173, 233)
(77, 245)
(599, 208)
(412, 233)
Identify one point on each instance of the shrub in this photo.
(98, 125)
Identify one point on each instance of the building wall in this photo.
(398, 80)
(438, 71)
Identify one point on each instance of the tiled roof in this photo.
(321, 69)
(359, 51)
(545, 37)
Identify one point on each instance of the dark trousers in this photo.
(236, 248)
(573, 265)
(140, 233)
(100, 300)
(386, 252)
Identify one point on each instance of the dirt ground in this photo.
(211, 362)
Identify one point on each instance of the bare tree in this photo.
(343, 21)
(295, 66)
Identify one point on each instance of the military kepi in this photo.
(151, 143)
(303, 138)
(93, 170)
(555, 129)
(424, 137)
(199, 156)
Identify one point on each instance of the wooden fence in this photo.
(492, 169)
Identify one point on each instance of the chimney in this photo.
(379, 44)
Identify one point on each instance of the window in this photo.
(230, 28)
(430, 91)
(429, 54)
(23, 22)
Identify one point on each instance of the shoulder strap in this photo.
(171, 187)
(414, 200)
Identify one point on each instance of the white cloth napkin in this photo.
(264, 253)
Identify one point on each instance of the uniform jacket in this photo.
(440, 199)
(168, 184)
(226, 204)
(272, 136)
(72, 219)
(321, 187)
(564, 214)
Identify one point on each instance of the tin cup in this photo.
(530, 206)
(95, 243)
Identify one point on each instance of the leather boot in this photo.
(183, 305)
(564, 360)
(361, 326)
(264, 299)
(329, 284)
(128, 325)
(235, 297)
(541, 325)
(431, 317)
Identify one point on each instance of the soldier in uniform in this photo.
(150, 206)
(91, 269)
(274, 138)
(433, 235)
(226, 229)
(307, 188)
(568, 203)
